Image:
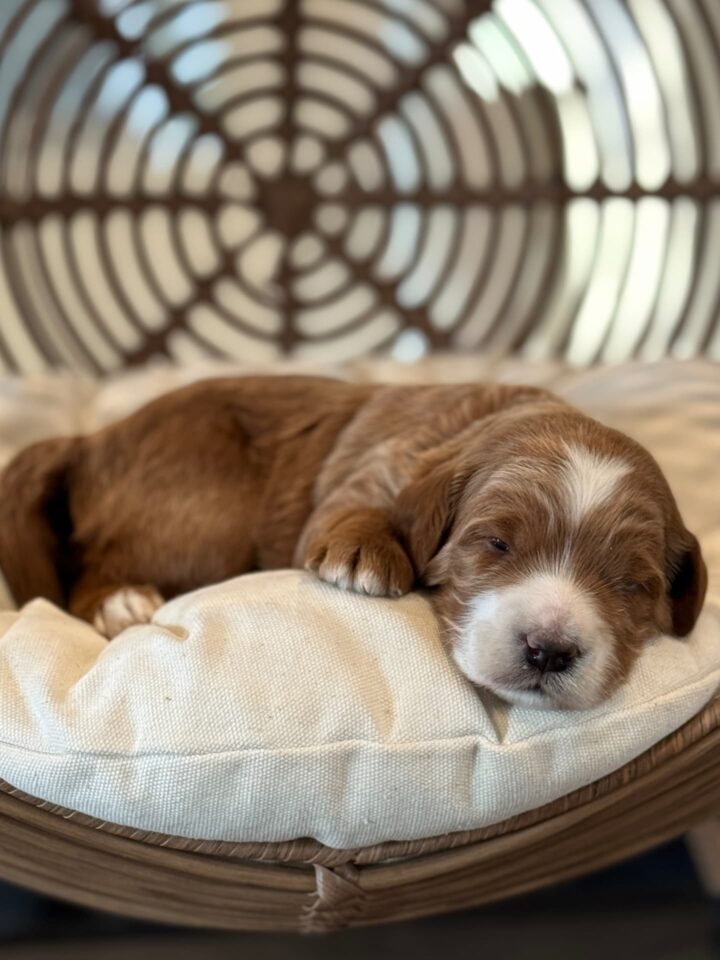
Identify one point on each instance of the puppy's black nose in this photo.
(549, 652)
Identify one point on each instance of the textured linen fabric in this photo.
(273, 706)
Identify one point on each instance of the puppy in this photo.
(551, 546)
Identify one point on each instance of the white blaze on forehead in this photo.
(590, 479)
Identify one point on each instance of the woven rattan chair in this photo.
(308, 887)
(320, 180)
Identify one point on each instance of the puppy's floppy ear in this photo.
(425, 510)
(687, 584)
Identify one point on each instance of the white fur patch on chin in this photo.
(589, 479)
(526, 698)
(126, 608)
(489, 651)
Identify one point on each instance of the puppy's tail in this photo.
(35, 523)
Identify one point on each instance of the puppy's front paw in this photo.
(125, 608)
(378, 567)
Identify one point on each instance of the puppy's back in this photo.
(176, 488)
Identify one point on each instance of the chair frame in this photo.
(305, 886)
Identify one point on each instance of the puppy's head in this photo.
(555, 550)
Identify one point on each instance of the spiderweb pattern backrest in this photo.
(325, 178)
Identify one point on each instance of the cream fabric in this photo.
(273, 707)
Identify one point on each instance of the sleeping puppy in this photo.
(551, 546)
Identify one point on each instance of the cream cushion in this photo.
(274, 707)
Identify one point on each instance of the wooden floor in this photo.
(653, 908)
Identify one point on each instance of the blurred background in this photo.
(185, 180)
(324, 178)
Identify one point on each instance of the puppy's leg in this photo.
(112, 609)
(356, 548)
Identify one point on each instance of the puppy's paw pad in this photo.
(125, 608)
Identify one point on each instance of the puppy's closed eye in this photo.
(635, 587)
(500, 546)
